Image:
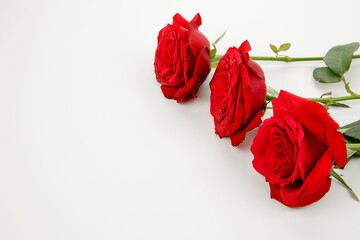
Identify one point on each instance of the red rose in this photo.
(182, 58)
(295, 150)
(238, 93)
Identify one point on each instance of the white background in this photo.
(90, 148)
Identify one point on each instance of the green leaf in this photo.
(284, 47)
(339, 57)
(351, 134)
(217, 57)
(274, 49)
(212, 52)
(350, 153)
(219, 38)
(214, 63)
(350, 140)
(342, 129)
(341, 180)
(325, 75)
(351, 125)
(271, 91)
(337, 104)
(353, 131)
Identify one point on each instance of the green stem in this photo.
(323, 100)
(347, 86)
(286, 58)
(216, 59)
(353, 146)
(334, 99)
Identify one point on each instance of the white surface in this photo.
(90, 149)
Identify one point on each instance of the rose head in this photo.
(295, 149)
(238, 93)
(182, 58)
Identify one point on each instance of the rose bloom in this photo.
(296, 148)
(238, 93)
(182, 58)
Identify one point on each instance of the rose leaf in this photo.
(213, 52)
(325, 75)
(350, 153)
(284, 47)
(274, 48)
(219, 38)
(353, 131)
(271, 91)
(339, 57)
(341, 180)
(337, 104)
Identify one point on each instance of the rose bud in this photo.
(182, 58)
(238, 93)
(296, 148)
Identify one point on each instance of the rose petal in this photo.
(310, 150)
(180, 20)
(316, 183)
(169, 91)
(256, 69)
(255, 120)
(313, 117)
(246, 93)
(316, 196)
(275, 192)
(197, 40)
(203, 65)
(337, 147)
(196, 21)
(244, 49)
(258, 92)
(260, 148)
(237, 138)
(189, 63)
(310, 114)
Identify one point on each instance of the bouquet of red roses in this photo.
(298, 148)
